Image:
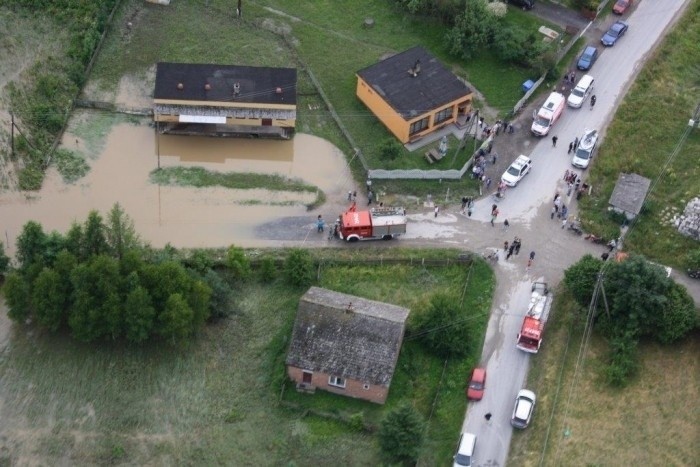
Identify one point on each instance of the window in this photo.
(336, 381)
(443, 115)
(420, 125)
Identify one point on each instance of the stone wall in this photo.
(688, 223)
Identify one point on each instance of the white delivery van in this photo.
(548, 114)
(580, 92)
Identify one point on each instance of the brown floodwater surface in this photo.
(182, 216)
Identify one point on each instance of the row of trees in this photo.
(642, 302)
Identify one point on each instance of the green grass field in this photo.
(217, 401)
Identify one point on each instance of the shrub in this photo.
(390, 149)
(623, 360)
(238, 262)
(443, 327)
(268, 270)
(299, 268)
(4, 260)
(401, 434)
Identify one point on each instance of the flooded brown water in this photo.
(183, 216)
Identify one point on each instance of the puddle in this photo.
(184, 216)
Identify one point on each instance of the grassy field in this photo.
(584, 422)
(216, 402)
(644, 134)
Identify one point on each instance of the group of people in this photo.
(514, 247)
(467, 205)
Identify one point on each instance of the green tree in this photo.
(54, 244)
(622, 363)
(221, 303)
(268, 270)
(48, 299)
(30, 245)
(119, 232)
(176, 319)
(17, 297)
(473, 30)
(401, 434)
(74, 240)
(164, 279)
(442, 326)
(390, 149)
(198, 298)
(94, 238)
(678, 317)
(237, 262)
(4, 261)
(299, 268)
(139, 314)
(200, 261)
(580, 278)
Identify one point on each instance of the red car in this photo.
(621, 6)
(475, 390)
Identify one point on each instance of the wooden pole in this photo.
(12, 136)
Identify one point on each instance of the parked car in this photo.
(587, 58)
(477, 384)
(524, 407)
(583, 153)
(525, 4)
(517, 170)
(621, 6)
(579, 94)
(465, 450)
(616, 31)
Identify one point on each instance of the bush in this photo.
(390, 149)
(268, 270)
(692, 259)
(401, 434)
(443, 327)
(238, 262)
(580, 279)
(299, 268)
(623, 360)
(4, 260)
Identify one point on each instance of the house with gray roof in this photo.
(345, 344)
(225, 100)
(413, 94)
(629, 194)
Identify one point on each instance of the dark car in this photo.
(621, 6)
(616, 31)
(587, 58)
(525, 4)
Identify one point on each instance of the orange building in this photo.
(413, 94)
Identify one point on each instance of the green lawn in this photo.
(644, 137)
(217, 401)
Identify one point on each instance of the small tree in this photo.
(238, 262)
(176, 319)
(4, 261)
(581, 277)
(390, 149)
(49, 300)
(139, 315)
(299, 268)
(18, 298)
(401, 434)
(119, 232)
(442, 326)
(30, 245)
(94, 236)
(268, 271)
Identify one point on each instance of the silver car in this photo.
(524, 408)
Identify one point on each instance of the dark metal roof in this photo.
(629, 193)
(347, 336)
(411, 96)
(256, 84)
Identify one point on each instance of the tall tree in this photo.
(30, 245)
(442, 326)
(401, 434)
(176, 319)
(580, 279)
(74, 240)
(4, 260)
(48, 299)
(94, 238)
(139, 314)
(18, 297)
(120, 233)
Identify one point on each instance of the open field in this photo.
(641, 139)
(653, 421)
(216, 401)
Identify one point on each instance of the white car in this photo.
(465, 451)
(580, 92)
(524, 407)
(583, 153)
(517, 170)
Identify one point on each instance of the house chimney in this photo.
(236, 88)
(180, 86)
(278, 90)
(207, 87)
(349, 309)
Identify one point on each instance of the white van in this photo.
(580, 92)
(465, 451)
(548, 114)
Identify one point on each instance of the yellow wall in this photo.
(394, 122)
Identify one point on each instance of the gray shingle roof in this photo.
(257, 84)
(629, 193)
(411, 96)
(347, 336)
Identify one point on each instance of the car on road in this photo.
(524, 407)
(583, 153)
(616, 31)
(587, 58)
(621, 6)
(465, 450)
(477, 384)
(582, 90)
(525, 4)
(517, 170)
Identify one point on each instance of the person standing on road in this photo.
(437, 210)
(554, 141)
(494, 215)
(510, 251)
(575, 143)
(517, 242)
(320, 224)
(506, 224)
(370, 195)
(593, 99)
(571, 147)
(505, 246)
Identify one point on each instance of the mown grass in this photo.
(216, 401)
(650, 421)
(200, 177)
(643, 135)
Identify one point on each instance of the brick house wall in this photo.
(353, 388)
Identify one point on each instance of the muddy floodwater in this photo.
(186, 216)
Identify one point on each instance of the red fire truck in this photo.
(530, 335)
(385, 223)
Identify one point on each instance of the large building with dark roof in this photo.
(225, 100)
(413, 94)
(345, 344)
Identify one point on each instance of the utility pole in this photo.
(12, 136)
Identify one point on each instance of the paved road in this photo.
(530, 202)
